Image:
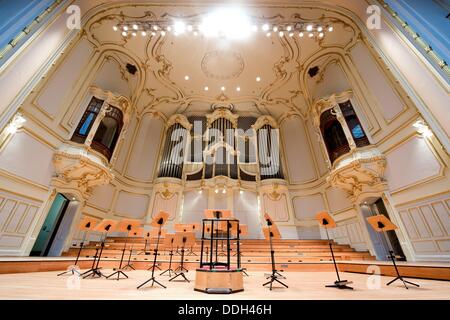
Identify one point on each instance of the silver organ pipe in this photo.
(171, 164)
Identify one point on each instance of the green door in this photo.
(50, 226)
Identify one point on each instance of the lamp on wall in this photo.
(16, 123)
(422, 128)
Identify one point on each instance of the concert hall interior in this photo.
(258, 149)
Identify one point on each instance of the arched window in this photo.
(108, 132)
(88, 118)
(355, 127)
(333, 136)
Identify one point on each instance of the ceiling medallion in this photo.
(222, 64)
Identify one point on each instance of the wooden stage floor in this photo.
(302, 285)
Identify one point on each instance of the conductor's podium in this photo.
(219, 280)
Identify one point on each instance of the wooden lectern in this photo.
(105, 226)
(271, 232)
(381, 223)
(158, 221)
(183, 240)
(86, 225)
(327, 222)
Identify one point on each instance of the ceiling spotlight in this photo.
(309, 27)
(301, 34)
(186, 77)
(281, 33)
(179, 27)
(134, 34)
(275, 29)
(143, 33)
(169, 28)
(163, 33)
(195, 33)
(321, 35)
(320, 29)
(258, 79)
(291, 34)
(124, 33)
(206, 88)
(268, 34)
(330, 29)
(216, 191)
(310, 35)
(200, 191)
(222, 88)
(125, 28)
(241, 191)
(289, 28)
(265, 27)
(135, 26)
(115, 28)
(224, 191)
(153, 33)
(155, 27)
(238, 88)
(189, 28)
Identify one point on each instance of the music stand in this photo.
(193, 227)
(126, 225)
(218, 214)
(158, 221)
(87, 224)
(168, 243)
(243, 231)
(381, 223)
(327, 222)
(154, 234)
(183, 240)
(146, 239)
(272, 232)
(105, 226)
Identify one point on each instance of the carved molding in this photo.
(181, 119)
(222, 113)
(263, 120)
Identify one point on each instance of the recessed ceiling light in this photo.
(155, 28)
(275, 29)
(222, 88)
(320, 29)
(310, 35)
(238, 88)
(321, 35)
(258, 79)
(281, 33)
(309, 27)
(135, 26)
(163, 33)
(224, 191)
(268, 34)
(134, 34)
(153, 33)
(195, 33)
(241, 191)
(186, 77)
(124, 33)
(143, 33)
(291, 34)
(216, 191)
(289, 28)
(115, 28)
(206, 88)
(125, 28)
(330, 29)
(189, 28)
(301, 34)
(169, 28)
(265, 27)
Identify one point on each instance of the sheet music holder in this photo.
(105, 226)
(169, 244)
(158, 221)
(86, 225)
(146, 235)
(271, 232)
(380, 223)
(155, 234)
(183, 240)
(327, 222)
(218, 214)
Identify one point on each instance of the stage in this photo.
(302, 285)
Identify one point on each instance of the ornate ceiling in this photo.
(173, 71)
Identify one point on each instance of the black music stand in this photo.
(87, 223)
(381, 223)
(327, 222)
(183, 240)
(105, 226)
(158, 221)
(272, 232)
(168, 241)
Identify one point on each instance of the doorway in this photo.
(51, 226)
(382, 242)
